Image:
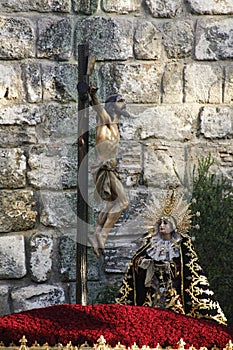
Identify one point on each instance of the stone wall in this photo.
(172, 61)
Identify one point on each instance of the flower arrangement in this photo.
(126, 324)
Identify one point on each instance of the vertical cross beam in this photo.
(82, 187)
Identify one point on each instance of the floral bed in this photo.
(117, 323)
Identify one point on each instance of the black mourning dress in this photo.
(167, 275)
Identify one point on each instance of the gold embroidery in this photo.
(148, 300)
(196, 292)
(173, 302)
(124, 290)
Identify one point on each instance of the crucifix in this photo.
(108, 185)
(85, 67)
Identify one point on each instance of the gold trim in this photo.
(102, 345)
(182, 279)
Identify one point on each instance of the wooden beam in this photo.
(82, 187)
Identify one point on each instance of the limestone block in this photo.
(211, 7)
(23, 115)
(32, 5)
(94, 288)
(122, 6)
(41, 253)
(138, 83)
(130, 162)
(12, 257)
(159, 167)
(11, 85)
(37, 296)
(58, 209)
(32, 78)
(53, 167)
(54, 38)
(171, 122)
(161, 8)
(109, 38)
(147, 41)
(21, 44)
(12, 168)
(72, 292)
(178, 38)
(130, 227)
(186, 156)
(67, 253)
(87, 7)
(17, 135)
(228, 93)
(214, 39)
(216, 122)
(59, 82)
(59, 124)
(94, 266)
(203, 83)
(173, 83)
(17, 210)
(4, 306)
(129, 126)
(112, 262)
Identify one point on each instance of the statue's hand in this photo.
(145, 263)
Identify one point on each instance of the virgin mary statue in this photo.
(165, 272)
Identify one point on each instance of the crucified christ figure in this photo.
(107, 181)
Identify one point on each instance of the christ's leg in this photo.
(109, 216)
(114, 211)
(102, 217)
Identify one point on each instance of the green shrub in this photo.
(214, 240)
(106, 294)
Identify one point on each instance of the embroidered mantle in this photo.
(177, 282)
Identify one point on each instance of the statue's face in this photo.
(120, 103)
(115, 102)
(165, 227)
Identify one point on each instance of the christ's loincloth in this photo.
(105, 176)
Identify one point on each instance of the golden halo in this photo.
(170, 204)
